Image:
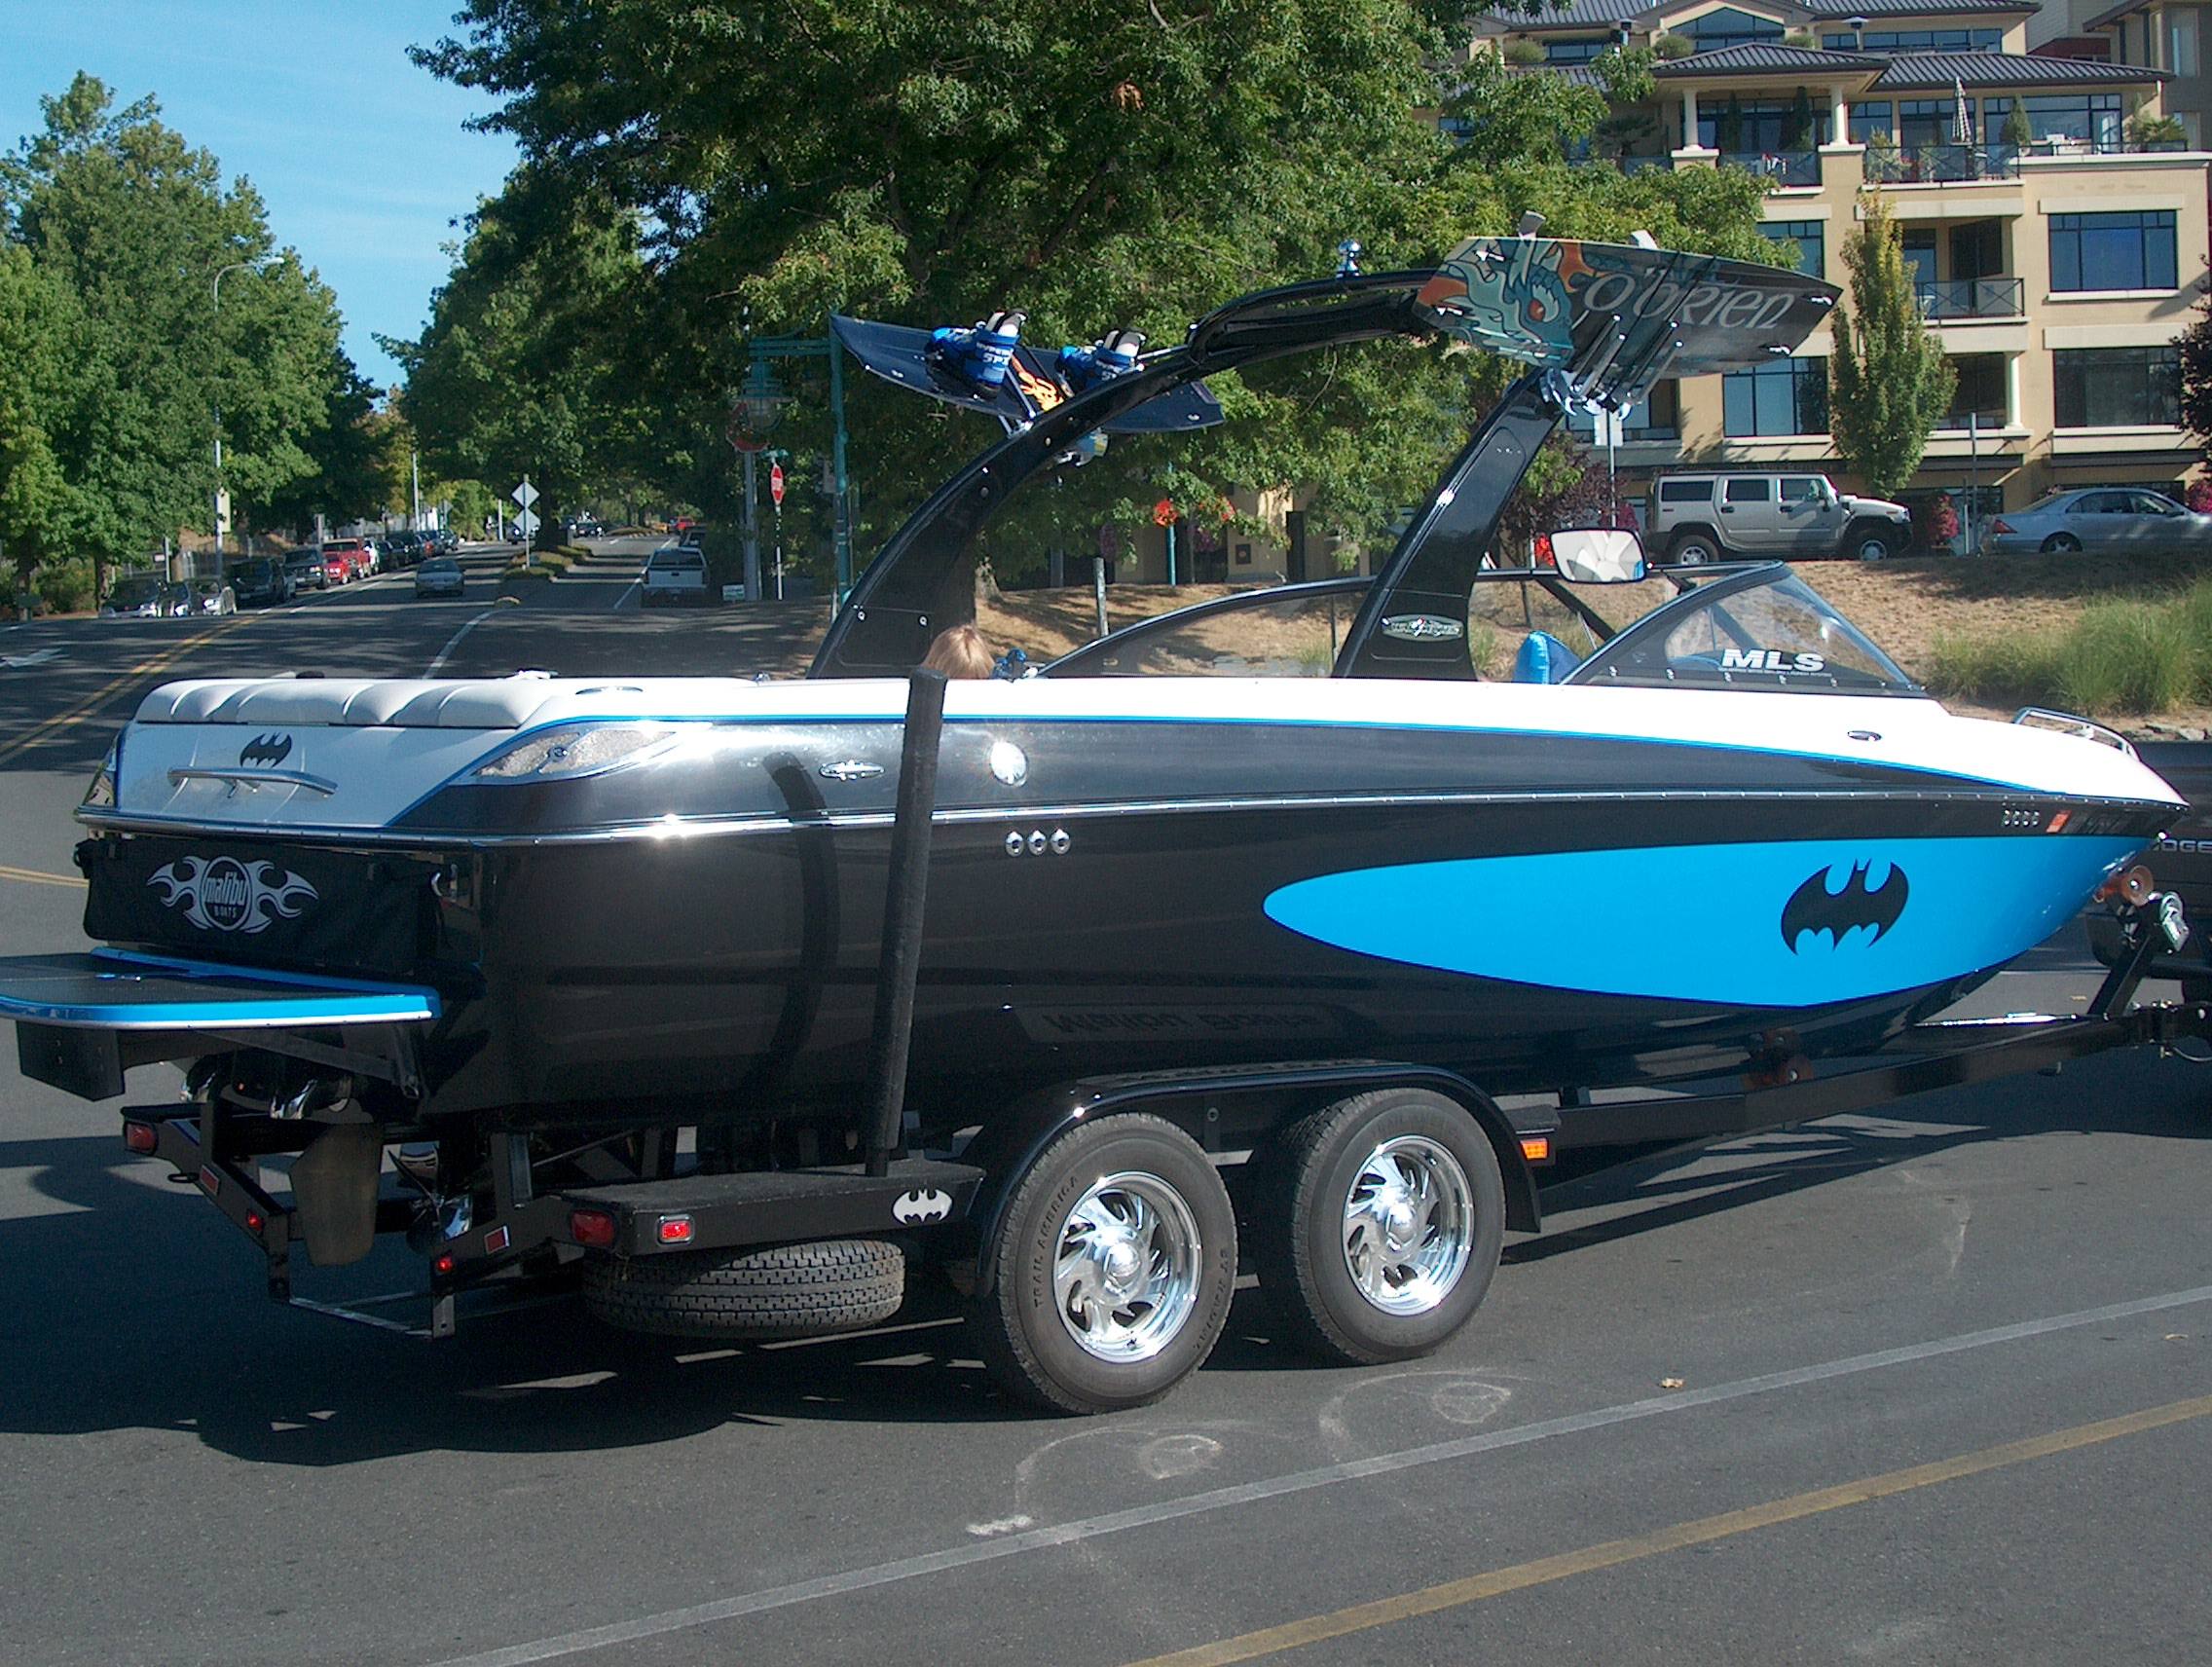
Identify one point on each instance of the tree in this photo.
(39, 512)
(2017, 133)
(2194, 346)
(136, 228)
(1888, 382)
(1799, 138)
(1094, 164)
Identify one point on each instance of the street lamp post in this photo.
(221, 504)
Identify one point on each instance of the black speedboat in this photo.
(1728, 836)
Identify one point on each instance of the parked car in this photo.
(337, 567)
(446, 542)
(440, 576)
(143, 596)
(212, 596)
(404, 549)
(351, 556)
(262, 582)
(2102, 520)
(304, 567)
(675, 574)
(1771, 514)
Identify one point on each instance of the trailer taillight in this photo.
(675, 1230)
(592, 1227)
(1537, 1148)
(139, 1138)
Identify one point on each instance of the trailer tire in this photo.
(1108, 1268)
(784, 1291)
(1321, 1195)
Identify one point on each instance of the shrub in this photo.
(2021, 668)
(1804, 40)
(2126, 657)
(1524, 52)
(2199, 497)
(1674, 47)
(66, 587)
(2145, 130)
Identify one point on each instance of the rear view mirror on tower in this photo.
(1598, 555)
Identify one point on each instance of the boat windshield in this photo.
(1763, 629)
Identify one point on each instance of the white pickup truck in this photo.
(675, 574)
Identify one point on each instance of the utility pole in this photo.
(415, 483)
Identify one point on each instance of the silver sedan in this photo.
(2103, 519)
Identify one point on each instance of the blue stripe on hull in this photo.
(1705, 923)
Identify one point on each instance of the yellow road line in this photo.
(36, 878)
(147, 668)
(1473, 1588)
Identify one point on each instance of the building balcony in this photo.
(1941, 165)
(1972, 298)
(1783, 168)
(1642, 163)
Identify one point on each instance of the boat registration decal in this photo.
(222, 894)
(1772, 923)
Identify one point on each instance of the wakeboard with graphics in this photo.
(1033, 382)
(1618, 318)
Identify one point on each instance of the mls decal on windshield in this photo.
(1769, 660)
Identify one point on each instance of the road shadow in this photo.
(2136, 1094)
(740, 641)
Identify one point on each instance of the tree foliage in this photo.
(117, 234)
(735, 173)
(2194, 346)
(1888, 382)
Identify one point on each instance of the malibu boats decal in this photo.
(1819, 907)
(1697, 922)
(1423, 628)
(225, 895)
(270, 750)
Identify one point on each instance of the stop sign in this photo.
(776, 483)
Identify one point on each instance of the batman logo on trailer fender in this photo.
(270, 750)
(1816, 907)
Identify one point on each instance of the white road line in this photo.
(623, 599)
(453, 641)
(960, 1556)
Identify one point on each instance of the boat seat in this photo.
(1543, 658)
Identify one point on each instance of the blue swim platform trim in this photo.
(111, 989)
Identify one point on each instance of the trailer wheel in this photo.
(1108, 1273)
(1376, 1225)
(785, 1290)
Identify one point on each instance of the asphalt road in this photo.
(1928, 1386)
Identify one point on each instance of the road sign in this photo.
(776, 484)
(526, 524)
(526, 494)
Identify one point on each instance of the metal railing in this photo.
(1783, 168)
(1984, 421)
(1972, 298)
(1941, 165)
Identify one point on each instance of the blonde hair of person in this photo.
(960, 651)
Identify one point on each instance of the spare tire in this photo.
(782, 1290)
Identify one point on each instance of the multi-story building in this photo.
(2057, 230)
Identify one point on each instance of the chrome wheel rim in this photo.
(1126, 1273)
(1409, 1223)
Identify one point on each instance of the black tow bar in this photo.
(905, 895)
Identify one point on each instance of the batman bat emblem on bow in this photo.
(1817, 906)
(270, 750)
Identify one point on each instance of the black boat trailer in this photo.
(641, 1208)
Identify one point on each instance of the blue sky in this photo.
(360, 157)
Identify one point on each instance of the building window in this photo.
(1867, 120)
(2131, 250)
(2118, 388)
(1811, 238)
(1729, 27)
(1918, 40)
(2092, 117)
(1790, 396)
(1654, 416)
(1578, 52)
(1458, 129)
(1979, 393)
(1762, 129)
